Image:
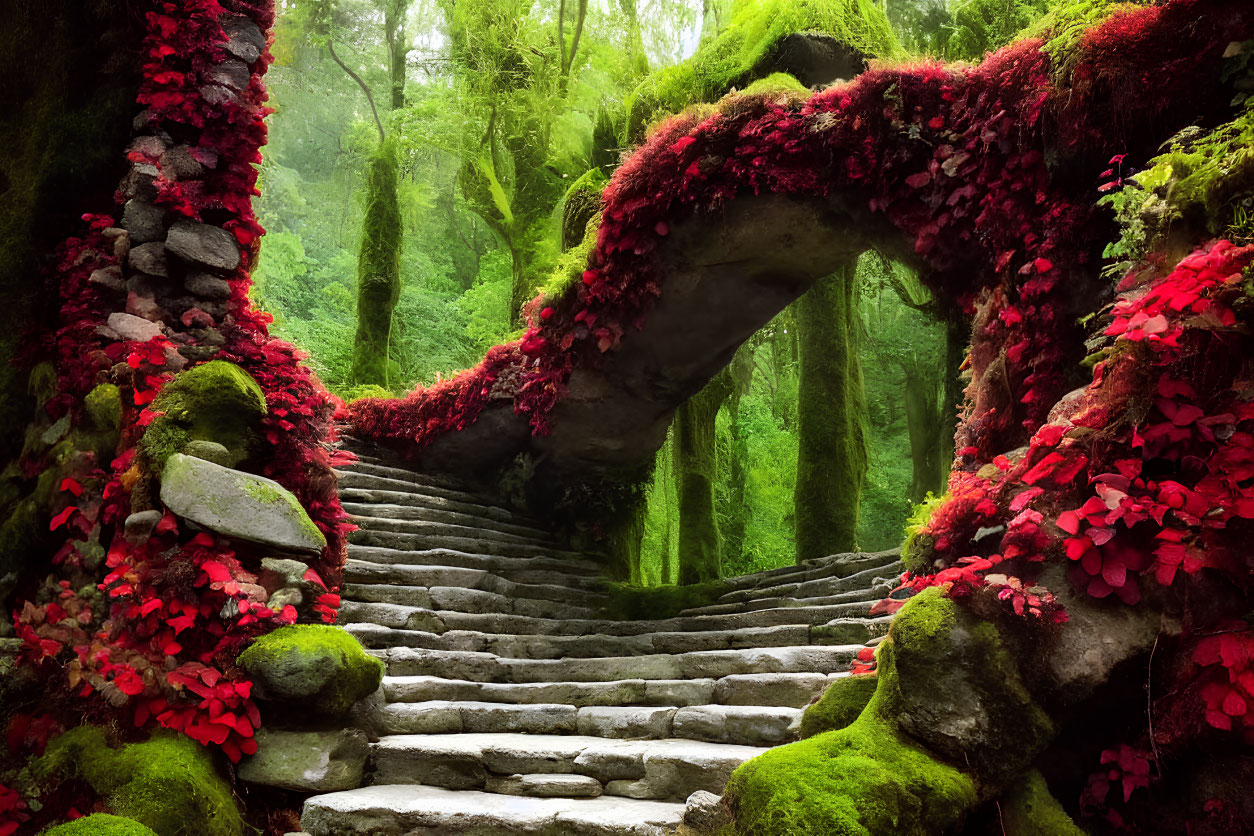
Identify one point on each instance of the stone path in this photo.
(511, 706)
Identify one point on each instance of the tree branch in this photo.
(369, 98)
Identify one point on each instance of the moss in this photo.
(216, 401)
(695, 437)
(730, 60)
(22, 537)
(378, 269)
(916, 551)
(1066, 22)
(839, 706)
(100, 824)
(831, 418)
(580, 205)
(167, 783)
(565, 280)
(866, 779)
(104, 407)
(777, 83)
(639, 603)
(312, 666)
(1030, 809)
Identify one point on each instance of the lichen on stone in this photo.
(312, 666)
(166, 783)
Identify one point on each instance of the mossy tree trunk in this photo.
(378, 270)
(831, 418)
(925, 415)
(741, 371)
(696, 466)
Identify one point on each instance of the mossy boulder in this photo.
(215, 401)
(101, 824)
(103, 406)
(168, 783)
(237, 504)
(949, 722)
(839, 706)
(312, 666)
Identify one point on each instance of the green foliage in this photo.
(164, 783)
(100, 824)
(981, 26)
(916, 552)
(215, 401)
(731, 58)
(1067, 22)
(312, 667)
(839, 706)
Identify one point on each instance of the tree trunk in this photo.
(957, 336)
(735, 512)
(666, 458)
(924, 411)
(378, 270)
(696, 464)
(831, 419)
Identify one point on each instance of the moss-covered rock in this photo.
(947, 693)
(312, 666)
(100, 824)
(839, 706)
(749, 48)
(216, 401)
(167, 783)
(103, 406)
(1030, 809)
(640, 603)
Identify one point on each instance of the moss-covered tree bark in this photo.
(831, 418)
(378, 270)
(734, 511)
(696, 466)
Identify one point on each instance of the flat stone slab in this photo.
(544, 785)
(237, 504)
(405, 809)
(310, 761)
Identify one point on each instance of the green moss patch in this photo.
(216, 401)
(101, 824)
(839, 706)
(1030, 809)
(312, 666)
(640, 603)
(167, 783)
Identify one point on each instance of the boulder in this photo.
(140, 525)
(705, 812)
(130, 327)
(143, 221)
(310, 761)
(244, 39)
(239, 505)
(207, 287)
(208, 246)
(315, 667)
(216, 401)
(231, 73)
(150, 259)
(179, 164)
(210, 451)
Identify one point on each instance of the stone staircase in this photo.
(510, 705)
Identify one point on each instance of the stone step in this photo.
(364, 474)
(705, 664)
(870, 593)
(427, 528)
(417, 513)
(401, 617)
(483, 544)
(532, 583)
(538, 646)
(677, 692)
(577, 564)
(391, 810)
(876, 576)
(642, 769)
(459, 599)
(743, 725)
(834, 566)
(409, 499)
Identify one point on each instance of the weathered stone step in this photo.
(419, 513)
(744, 725)
(833, 566)
(364, 473)
(459, 599)
(705, 664)
(410, 499)
(533, 583)
(858, 595)
(575, 564)
(653, 769)
(483, 544)
(396, 809)
(678, 692)
(876, 576)
(444, 529)
(539, 646)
